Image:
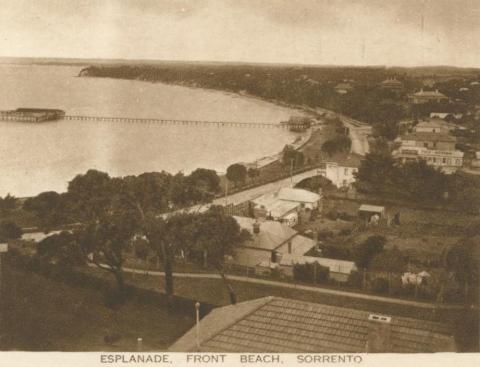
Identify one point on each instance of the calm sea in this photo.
(45, 156)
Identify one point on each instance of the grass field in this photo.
(45, 315)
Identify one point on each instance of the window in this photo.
(346, 171)
(444, 160)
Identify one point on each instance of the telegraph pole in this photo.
(3, 250)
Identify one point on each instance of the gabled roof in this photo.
(272, 233)
(300, 245)
(298, 195)
(279, 325)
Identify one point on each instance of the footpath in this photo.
(273, 283)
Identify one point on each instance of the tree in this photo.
(9, 231)
(206, 180)
(459, 260)
(62, 248)
(253, 173)
(91, 195)
(292, 157)
(49, 207)
(376, 174)
(7, 203)
(329, 147)
(390, 261)
(236, 173)
(364, 252)
(205, 238)
(104, 242)
(107, 224)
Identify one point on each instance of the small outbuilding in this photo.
(371, 213)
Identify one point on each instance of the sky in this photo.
(324, 32)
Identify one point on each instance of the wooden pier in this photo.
(179, 122)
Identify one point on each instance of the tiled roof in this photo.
(278, 325)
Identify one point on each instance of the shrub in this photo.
(355, 279)
(336, 252)
(324, 234)
(380, 285)
(345, 232)
(306, 273)
(9, 231)
(332, 214)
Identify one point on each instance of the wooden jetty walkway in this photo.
(265, 125)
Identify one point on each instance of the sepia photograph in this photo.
(239, 182)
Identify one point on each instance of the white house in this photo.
(340, 176)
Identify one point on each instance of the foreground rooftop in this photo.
(279, 325)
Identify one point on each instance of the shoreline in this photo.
(265, 160)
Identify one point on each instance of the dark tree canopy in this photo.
(62, 248)
(9, 231)
(292, 157)
(236, 173)
(50, 208)
(7, 203)
(364, 252)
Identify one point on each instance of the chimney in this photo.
(256, 227)
(289, 244)
(379, 334)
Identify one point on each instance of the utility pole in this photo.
(226, 190)
(291, 171)
(3, 250)
(197, 326)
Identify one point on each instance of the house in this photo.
(427, 96)
(339, 175)
(343, 88)
(432, 125)
(448, 161)
(280, 325)
(339, 270)
(269, 206)
(435, 148)
(429, 140)
(446, 115)
(268, 239)
(285, 204)
(392, 84)
(428, 83)
(476, 160)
